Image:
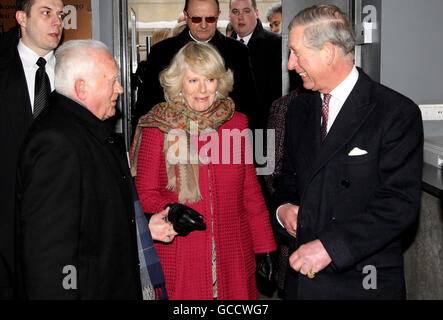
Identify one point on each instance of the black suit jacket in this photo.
(265, 51)
(15, 119)
(358, 206)
(75, 208)
(233, 52)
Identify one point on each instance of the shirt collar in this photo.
(245, 39)
(342, 91)
(198, 41)
(29, 57)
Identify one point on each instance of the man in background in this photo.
(274, 17)
(26, 77)
(265, 54)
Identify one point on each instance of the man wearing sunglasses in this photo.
(201, 19)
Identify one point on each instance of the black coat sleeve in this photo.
(49, 182)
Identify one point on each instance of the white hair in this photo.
(325, 23)
(276, 7)
(74, 61)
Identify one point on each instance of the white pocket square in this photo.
(357, 152)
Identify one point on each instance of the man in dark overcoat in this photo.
(265, 53)
(352, 169)
(38, 33)
(76, 235)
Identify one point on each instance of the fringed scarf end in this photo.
(160, 292)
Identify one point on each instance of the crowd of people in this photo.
(188, 217)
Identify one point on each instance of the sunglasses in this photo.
(199, 19)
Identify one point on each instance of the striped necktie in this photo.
(42, 88)
(324, 116)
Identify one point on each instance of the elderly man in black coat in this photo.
(76, 234)
(201, 18)
(265, 52)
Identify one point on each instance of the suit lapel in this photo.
(350, 118)
(308, 127)
(17, 98)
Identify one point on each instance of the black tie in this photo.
(42, 88)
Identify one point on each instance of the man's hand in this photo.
(160, 229)
(310, 258)
(288, 214)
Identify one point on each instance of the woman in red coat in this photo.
(194, 149)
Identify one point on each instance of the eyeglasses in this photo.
(199, 19)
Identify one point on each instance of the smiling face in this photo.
(42, 28)
(243, 17)
(198, 90)
(202, 30)
(309, 63)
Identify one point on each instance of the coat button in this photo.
(334, 219)
(345, 183)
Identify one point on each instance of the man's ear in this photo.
(80, 89)
(20, 16)
(329, 51)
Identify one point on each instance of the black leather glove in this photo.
(266, 267)
(184, 219)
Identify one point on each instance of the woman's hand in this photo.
(160, 229)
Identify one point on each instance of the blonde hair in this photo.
(179, 28)
(201, 58)
(160, 34)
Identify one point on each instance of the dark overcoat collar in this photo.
(184, 37)
(102, 130)
(14, 97)
(257, 30)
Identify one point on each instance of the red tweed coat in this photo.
(241, 226)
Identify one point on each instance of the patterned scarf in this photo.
(183, 176)
(151, 272)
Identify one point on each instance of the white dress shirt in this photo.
(198, 41)
(245, 39)
(338, 98)
(29, 61)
